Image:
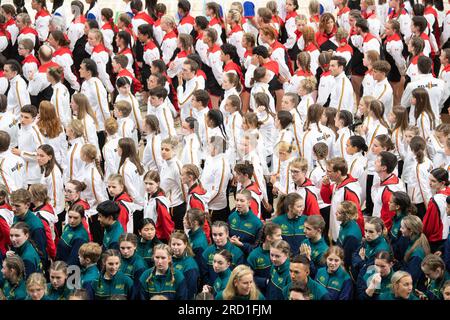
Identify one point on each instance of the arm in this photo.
(191, 277)
(326, 192)
(216, 66)
(73, 257)
(182, 290)
(346, 290)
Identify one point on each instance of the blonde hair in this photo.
(98, 35)
(285, 147)
(309, 84)
(415, 225)
(77, 127)
(341, 34)
(397, 277)
(235, 16)
(230, 291)
(124, 107)
(37, 279)
(349, 211)
(168, 19)
(301, 164)
(90, 151)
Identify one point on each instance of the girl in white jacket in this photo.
(152, 159)
(131, 170)
(51, 176)
(419, 190)
(82, 110)
(423, 114)
(260, 84)
(305, 91)
(61, 97)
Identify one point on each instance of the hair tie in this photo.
(343, 41)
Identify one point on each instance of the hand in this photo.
(180, 80)
(364, 129)
(267, 206)
(306, 250)
(16, 151)
(207, 289)
(235, 240)
(10, 253)
(375, 281)
(438, 253)
(275, 191)
(325, 180)
(421, 295)
(362, 253)
(282, 79)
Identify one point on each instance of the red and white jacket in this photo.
(427, 50)
(413, 70)
(419, 190)
(168, 47)
(40, 82)
(42, 22)
(28, 33)
(257, 196)
(109, 31)
(310, 193)
(129, 54)
(140, 19)
(151, 52)
(125, 218)
(348, 190)
(394, 46)
(435, 221)
(326, 84)
(5, 38)
(314, 54)
(13, 30)
(215, 63)
(157, 32)
(291, 27)
(345, 51)
(186, 24)
(156, 207)
(343, 18)
(196, 200)
(216, 24)
(6, 221)
(136, 84)
(30, 65)
(370, 42)
(381, 196)
(278, 55)
(63, 57)
(445, 76)
(175, 67)
(75, 30)
(235, 38)
(101, 57)
(48, 218)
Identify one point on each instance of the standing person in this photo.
(75, 136)
(401, 204)
(24, 248)
(51, 176)
(109, 151)
(376, 281)
(314, 246)
(96, 93)
(95, 191)
(61, 96)
(163, 278)
(418, 248)
(342, 95)
(12, 166)
(171, 181)
(434, 269)
(118, 190)
(13, 271)
(215, 177)
(36, 287)
(345, 188)
(108, 212)
(194, 222)
(213, 65)
(156, 207)
(72, 194)
(241, 286)
(58, 289)
(183, 260)
(158, 106)
(18, 97)
(152, 159)
(279, 273)
(334, 277)
(101, 56)
(112, 281)
(20, 202)
(131, 169)
(73, 236)
(389, 182)
(244, 224)
(424, 117)
(402, 287)
(221, 266)
(220, 234)
(291, 219)
(435, 221)
(83, 111)
(147, 240)
(131, 263)
(350, 235)
(374, 242)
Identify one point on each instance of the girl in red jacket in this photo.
(156, 206)
(435, 221)
(118, 190)
(6, 220)
(196, 194)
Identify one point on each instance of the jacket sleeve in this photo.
(414, 269)
(386, 215)
(204, 272)
(361, 287)
(349, 195)
(406, 97)
(446, 253)
(216, 66)
(191, 277)
(165, 224)
(346, 290)
(357, 263)
(432, 221)
(326, 192)
(182, 290)
(73, 257)
(311, 204)
(29, 268)
(40, 239)
(350, 246)
(4, 235)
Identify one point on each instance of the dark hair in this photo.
(160, 64)
(420, 22)
(129, 152)
(159, 92)
(359, 143)
(77, 208)
(424, 64)
(261, 51)
(202, 96)
(384, 255)
(285, 118)
(402, 199)
(229, 49)
(184, 5)
(216, 117)
(389, 160)
(29, 108)
(201, 22)
(441, 175)
(5, 141)
(146, 29)
(49, 166)
(346, 116)
(245, 168)
(109, 208)
(14, 65)
(302, 259)
(418, 146)
(91, 66)
(363, 24)
(341, 61)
